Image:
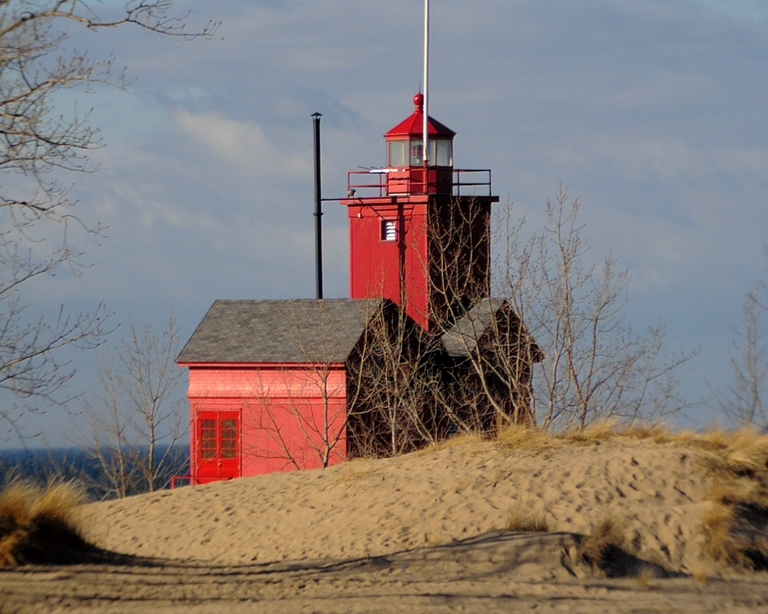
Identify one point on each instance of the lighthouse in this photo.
(419, 351)
(419, 230)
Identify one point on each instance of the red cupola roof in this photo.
(414, 125)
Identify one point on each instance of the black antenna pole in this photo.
(318, 209)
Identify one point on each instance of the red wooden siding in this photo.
(290, 417)
(378, 267)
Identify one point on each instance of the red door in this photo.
(218, 437)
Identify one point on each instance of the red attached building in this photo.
(276, 385)
(268, 384)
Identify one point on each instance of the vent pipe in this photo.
(318, 210)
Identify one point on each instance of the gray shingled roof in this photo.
(462, 338)
(320, 331)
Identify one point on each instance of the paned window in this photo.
(208, 439)
(229, 439)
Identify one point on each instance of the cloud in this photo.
(244, 145)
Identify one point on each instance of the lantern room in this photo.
(407, 172)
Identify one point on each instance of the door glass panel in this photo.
(208, 438)
(229, 439)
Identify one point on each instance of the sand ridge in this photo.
(375, 507)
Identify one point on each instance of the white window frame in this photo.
(389, 230)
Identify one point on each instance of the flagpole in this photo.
(425, 137)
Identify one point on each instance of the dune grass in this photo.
(608, 535)
(527, 517)
(40, 525)
(735, 526)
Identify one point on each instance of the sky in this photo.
(651, 112)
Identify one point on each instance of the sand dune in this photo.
(396, 534)
(375, 507)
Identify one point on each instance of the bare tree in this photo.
(320, 409)
(594, 366)
(39, 146)
(379, 399)
(487, 347)
(744, 400)
(555, 347)
(134, 425)
(295, 411)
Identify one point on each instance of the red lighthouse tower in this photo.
(419, 232)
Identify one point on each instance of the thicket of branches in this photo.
(571, 357)
(745, 400)
(594, 365)
(134, 425)
(41, 144)
(292, 433)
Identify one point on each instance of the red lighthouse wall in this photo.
(439, 258)
(384, 268)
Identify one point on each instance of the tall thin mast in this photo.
(318, 210)
(425, 138)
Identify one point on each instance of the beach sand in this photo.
(443, 530)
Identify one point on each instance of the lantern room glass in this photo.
(409, 153)
(396, 154)
(441, 152)
(417, 151)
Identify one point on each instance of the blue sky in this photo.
(751, 9)
(652, 112)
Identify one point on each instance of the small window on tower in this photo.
(389, 230)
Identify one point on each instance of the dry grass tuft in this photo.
(702, 575)
(658, 433)
(462, 439)
(735, 526)
(527, 438)
(646, 576)
(717, 528)
(39, 525)
(606, 538)
(524, 438)
(597, 432)
(527, 518)
(742, 450)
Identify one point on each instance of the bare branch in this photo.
(744, 401)
(38, 145)
(134, 425)
(594, 366)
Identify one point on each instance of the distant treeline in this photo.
(41, 465)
